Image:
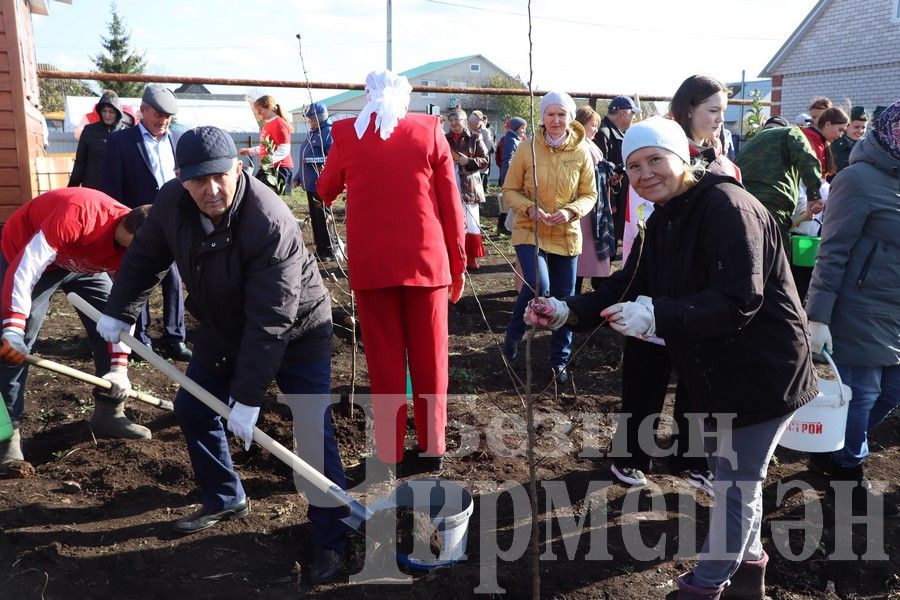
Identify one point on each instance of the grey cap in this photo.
(161, 98)
(204, 151)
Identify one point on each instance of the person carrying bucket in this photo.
(854, 296)
(710, 278)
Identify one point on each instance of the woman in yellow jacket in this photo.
(566, 191)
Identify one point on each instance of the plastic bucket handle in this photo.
(837, 375)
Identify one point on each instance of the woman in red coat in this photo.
(405, 240)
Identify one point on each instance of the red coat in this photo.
(404, 215)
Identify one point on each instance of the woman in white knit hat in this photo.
(711, 278)
(566, 191)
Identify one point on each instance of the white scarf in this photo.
(388, 97)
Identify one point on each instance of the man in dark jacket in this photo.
(620, 114)
(139, 160)
(263, 314)
(88, 168)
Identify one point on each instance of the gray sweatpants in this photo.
(739, 462)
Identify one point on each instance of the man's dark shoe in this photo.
(174, 350)
(326, 565)
(204, 518)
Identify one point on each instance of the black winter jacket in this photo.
(251, 284)
(724, 301)
(88, 168)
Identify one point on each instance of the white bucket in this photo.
(450, 506)
(819, 425)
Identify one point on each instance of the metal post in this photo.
(743, 96)
(389, 35)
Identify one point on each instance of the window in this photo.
(476, 68)
(895, 14)
(426, 82)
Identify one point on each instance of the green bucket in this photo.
(804, 249)
(6, 428)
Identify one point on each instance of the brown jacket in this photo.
(469, 176)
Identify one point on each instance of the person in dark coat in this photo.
(139, 160)
(88, 168)
(312, 159)
(620, 114)
(263, 314)
(854, 297)
(713, 281)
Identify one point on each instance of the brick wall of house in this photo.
(850, 54)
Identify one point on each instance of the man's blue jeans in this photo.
(207, 444)
(555, 277)
(876, 392)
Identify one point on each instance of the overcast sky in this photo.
(625, 46)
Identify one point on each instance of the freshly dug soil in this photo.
(113, 537)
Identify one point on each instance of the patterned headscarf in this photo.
(886, 129)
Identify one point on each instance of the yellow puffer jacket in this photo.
(565, 178)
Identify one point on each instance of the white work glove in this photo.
(819, 337)
(632, 318)
(241, 422)
(546, 312)
(118, 377)
(14, 349)
(111, 329)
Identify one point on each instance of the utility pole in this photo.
(389, 40)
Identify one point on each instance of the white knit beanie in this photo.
(656, 132)
(560, 99)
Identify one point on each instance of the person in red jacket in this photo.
(68, 238)
(276, 131)
(406, 243)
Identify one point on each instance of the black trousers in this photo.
(319, 226)
(646, 370)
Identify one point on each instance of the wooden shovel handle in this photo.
(56, 367)
(296, 464)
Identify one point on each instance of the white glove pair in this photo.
(242, 420)
(546, 312)
(111, 329)
(819, 337)
(632, 318)
(118, 377)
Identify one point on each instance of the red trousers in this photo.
(399, 324)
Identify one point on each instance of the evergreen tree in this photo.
(119, 58)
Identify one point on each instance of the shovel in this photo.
(37, 361)
(359, 514)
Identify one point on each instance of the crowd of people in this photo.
(706, 279)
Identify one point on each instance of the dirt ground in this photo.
(95, 521)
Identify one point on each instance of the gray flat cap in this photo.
(161, 98)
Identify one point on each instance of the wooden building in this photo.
(21, 124)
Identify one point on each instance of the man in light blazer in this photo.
(138, 162)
